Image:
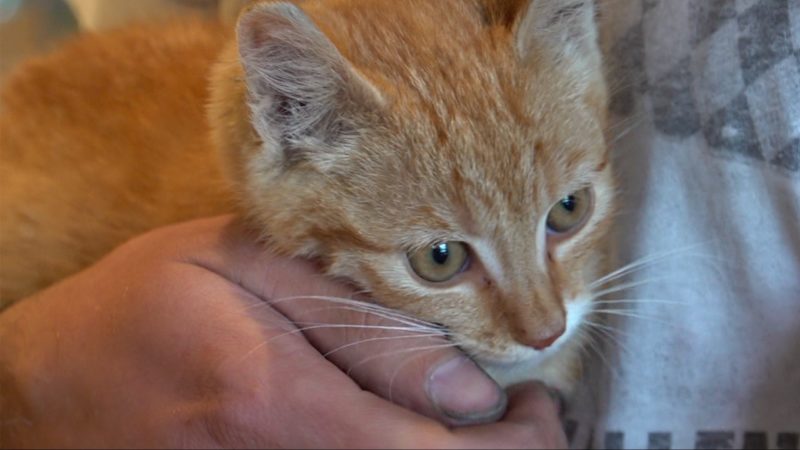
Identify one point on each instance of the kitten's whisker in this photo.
(314, 326)
(398, 352)
(590, 341)
(382, 338)
(623, 309)
(605, 327)
(635, 316)
(400, 367)
(627, 130)
(361, 305)
(624, 123)
(619, 273)
(631, 267)
(595, 336)
(254, 306)
(326, 298)
(642, 263)
(615, 87)
(271, 302)
(639, 301)
(308, 326)
(623, 286)
(602, 342)
(252, 351)
(382, 314)
(608, 332)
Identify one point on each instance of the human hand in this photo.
(179, 338)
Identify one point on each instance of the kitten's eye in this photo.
(440, 262)
(570, 212)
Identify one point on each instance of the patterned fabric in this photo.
(728, 70)
(704, 347)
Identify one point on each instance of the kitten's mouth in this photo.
(520, 355)
(496, 361)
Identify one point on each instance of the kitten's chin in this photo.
(522, 364)
(555, 368)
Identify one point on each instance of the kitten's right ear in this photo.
(306, 100)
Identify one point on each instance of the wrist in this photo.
(15, 413)
(30, 345)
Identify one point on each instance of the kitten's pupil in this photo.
(569, 203)
(440, 253)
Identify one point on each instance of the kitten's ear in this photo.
(306, 100)
(563, 29)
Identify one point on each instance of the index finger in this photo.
(532, 420)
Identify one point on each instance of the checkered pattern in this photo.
(717, 440)
(726, 70)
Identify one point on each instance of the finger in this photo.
(532, 402)
(398, 357)
(532, 421)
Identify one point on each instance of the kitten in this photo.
(446, 155)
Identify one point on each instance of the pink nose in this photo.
(541, 343)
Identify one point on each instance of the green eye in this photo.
(439, 262)
(570, 212)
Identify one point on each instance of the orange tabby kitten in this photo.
(446, 155)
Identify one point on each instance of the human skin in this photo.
(179, 339)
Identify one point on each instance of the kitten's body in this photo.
(100, 141)
(398, 126)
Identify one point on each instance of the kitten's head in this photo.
(447, 155)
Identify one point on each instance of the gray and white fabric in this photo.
(706, 136)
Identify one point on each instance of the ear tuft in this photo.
(302, 92)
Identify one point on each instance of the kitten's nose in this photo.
(544, 340)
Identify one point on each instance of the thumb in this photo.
(532, 418)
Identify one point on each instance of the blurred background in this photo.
(30, 27)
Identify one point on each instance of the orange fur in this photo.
(102, 140)
(437, 120)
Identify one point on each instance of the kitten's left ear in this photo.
(307, 101)
(563, 30)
